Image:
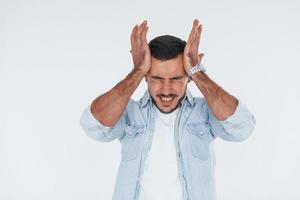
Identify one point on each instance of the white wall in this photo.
(57, 56)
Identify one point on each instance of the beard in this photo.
(177, 105)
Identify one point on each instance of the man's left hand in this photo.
(190, 54)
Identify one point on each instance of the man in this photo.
(167, 136)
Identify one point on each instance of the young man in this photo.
(167, 136)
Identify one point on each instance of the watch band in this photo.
(198, 67)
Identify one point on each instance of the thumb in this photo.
(200, 56)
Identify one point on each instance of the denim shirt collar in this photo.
(146, 97)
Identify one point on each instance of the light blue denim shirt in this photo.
(195, 130)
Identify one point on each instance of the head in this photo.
(167, 79)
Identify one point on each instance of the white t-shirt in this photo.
(160, 180)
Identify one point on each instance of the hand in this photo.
(190, 54)
(139, 47)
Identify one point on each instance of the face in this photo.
(167, 82)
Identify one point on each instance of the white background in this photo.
(57, 56)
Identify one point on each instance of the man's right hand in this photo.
(139, 48)
(109, 107)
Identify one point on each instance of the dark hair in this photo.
(166, 47)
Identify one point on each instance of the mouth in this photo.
(166, 99)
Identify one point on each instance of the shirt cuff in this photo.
(88, 120)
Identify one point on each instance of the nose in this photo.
(166, 87)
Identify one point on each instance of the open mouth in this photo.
(166, 99)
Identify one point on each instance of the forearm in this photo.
(109, 107)
(221, 103)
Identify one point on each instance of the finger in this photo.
(144, 33)
(145, 30)
(193, 31)
(198, 36)
(136, 35)
(190, 36)
(193, 41)
(139, 31)
(195, 22)
(200, 56)
(132, 39)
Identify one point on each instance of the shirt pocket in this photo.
(131, 142)
(198, 136)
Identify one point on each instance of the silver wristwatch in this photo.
(197, 68)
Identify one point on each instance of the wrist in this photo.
(196, 69)
(139, 72)
(198, 75)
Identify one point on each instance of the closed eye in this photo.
(156, 77)
(177, 78)
(172, 79)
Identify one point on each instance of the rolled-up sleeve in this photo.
(97, 131)
(236, 127)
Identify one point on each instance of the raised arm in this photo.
(228, 116)
(221, 103)
(108, 107)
